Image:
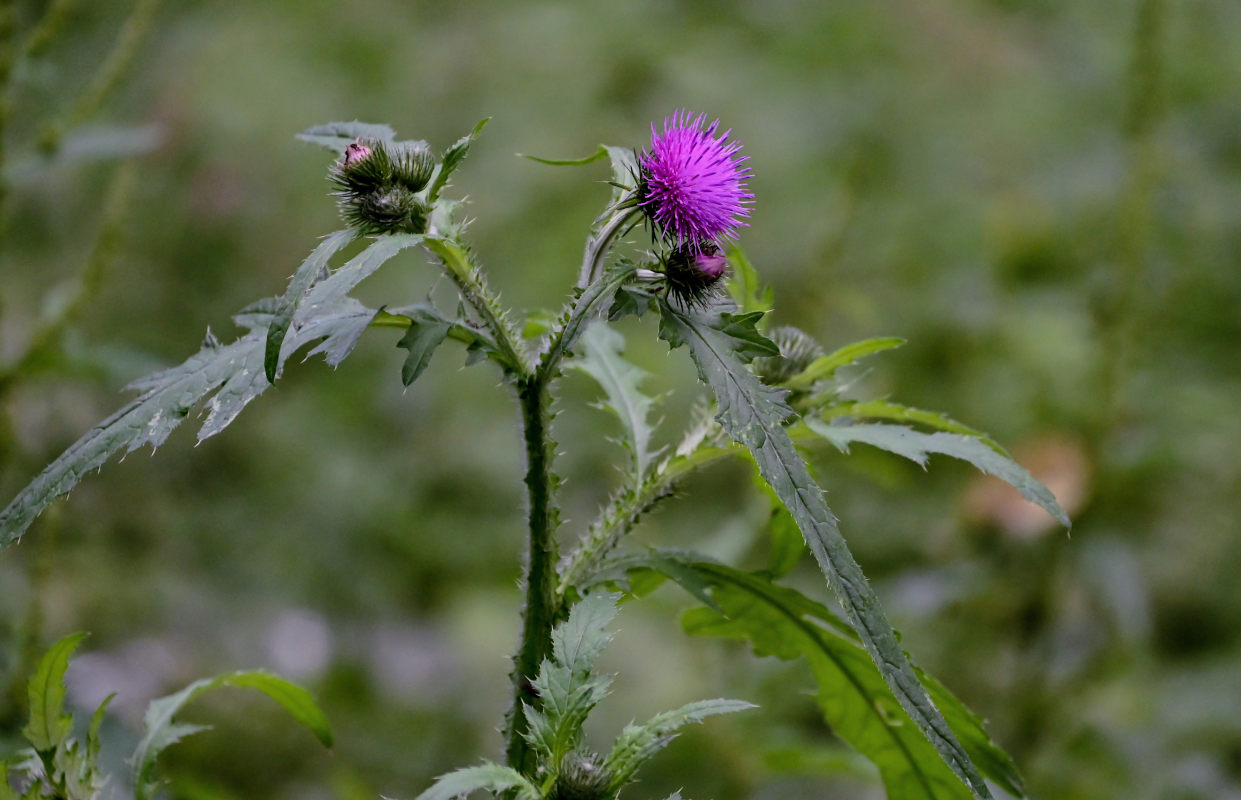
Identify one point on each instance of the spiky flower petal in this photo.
(692, 184)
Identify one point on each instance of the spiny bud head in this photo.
(692, 273)
(797, 351)
(377, 183)
(581, 777)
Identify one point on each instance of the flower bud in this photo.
(377, 185)
(581, 777)
(355, 151)
(797, 351)
(691, 271)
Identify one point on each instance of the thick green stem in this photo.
(540, 578)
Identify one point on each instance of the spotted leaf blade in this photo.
(753, 414)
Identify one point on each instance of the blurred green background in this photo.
(1043, 197)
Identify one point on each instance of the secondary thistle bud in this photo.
(355, 151)
(581, 777)
(797, 351)
(691, 273)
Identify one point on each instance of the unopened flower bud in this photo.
(691, 271)
(797, 351)
(581, 777)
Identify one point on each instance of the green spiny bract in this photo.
(377, 185)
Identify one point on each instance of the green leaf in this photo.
(567, 688)
(825, 367)
(852, 694)
(452, 159)
(486, 777)
(231, 375)
(621, 381)
(883, 409)
(743, 283)
(637, 743)
(787, 545)
(598, 155)
(917, 446)
(48, 726)
(162, 731)
(748, 342)
(630, 300)
(426, 332)
(6, 793)
(752, 414)
(313, 269)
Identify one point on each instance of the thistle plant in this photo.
(771, 394)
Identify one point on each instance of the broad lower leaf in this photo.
(918, 446)
(486, 777)
(824, 367)
(852, 694)
(49, 726)
(227, 376)
(601, 358)
(452, 159)
(567, 687)
(161, 731)
(637, 743)
(753, 414)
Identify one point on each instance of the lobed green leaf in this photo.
(49, 726)
(918, 446)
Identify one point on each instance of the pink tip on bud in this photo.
(355, 152)
(712, 265)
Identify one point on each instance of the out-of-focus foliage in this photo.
(1041, 197)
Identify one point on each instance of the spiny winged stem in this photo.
(457, 263)
(540, 574)
(598, 245)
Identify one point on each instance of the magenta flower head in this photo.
(691, 182)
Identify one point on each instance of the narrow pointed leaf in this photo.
(918, 446)
(621, 381)
(45, 690)
(452, 159)
(752, 414)
(637, 743)
(598, 155)
(744, 285)
(895, 412)
(486, 777)
(825, 367)
(162, 731)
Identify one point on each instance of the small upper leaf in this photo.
(48, 726)
(452, 159)
(162, 731)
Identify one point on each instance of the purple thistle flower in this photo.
(692, 182)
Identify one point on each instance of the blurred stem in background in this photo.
(1115, 315)
(44, 351)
